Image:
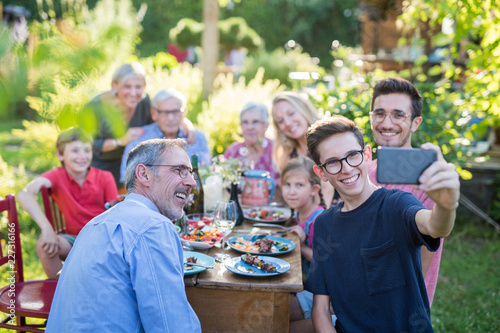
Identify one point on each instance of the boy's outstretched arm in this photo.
(27, 199)
(320, 314)
(440, 181)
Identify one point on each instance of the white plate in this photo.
(202, 245)
(286, 212)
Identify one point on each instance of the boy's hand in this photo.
(300, 232)
(49, 242)
(440, 181)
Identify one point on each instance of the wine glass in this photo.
(225, 219)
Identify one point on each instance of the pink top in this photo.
(433, 272)
(81, 204)
(308, 225)
(265, 162)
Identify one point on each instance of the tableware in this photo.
(202, 245)
(258, 187)
(225, 219)
(201, 259)
(271, 225)
(252, 238)
(199, 265)
(197, 220)
(238, 266)
(283, 214)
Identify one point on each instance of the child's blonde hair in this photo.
(69, 135)
(306, 164)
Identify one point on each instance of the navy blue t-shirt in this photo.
(368, 261)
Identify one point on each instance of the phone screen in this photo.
(401, 165)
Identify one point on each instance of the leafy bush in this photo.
(186, 33)
(278, 65)
(219, 119)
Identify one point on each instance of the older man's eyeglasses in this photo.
(354, 159)
(246, 123)
(181, 169)
(175, 113)
(397, 117)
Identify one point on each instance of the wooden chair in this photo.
(21, 299)
(52, 212)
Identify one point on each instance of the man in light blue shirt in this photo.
(125, 271)
(168, 109)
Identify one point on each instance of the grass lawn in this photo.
(468, 290)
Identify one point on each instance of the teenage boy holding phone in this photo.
(366, 259)
(396, 112)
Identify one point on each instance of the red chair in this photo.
(52, 212)
(21, 299)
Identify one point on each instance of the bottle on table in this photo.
(195, 203)
(234, 197)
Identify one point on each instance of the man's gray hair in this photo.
(261, 107)
(167, 93)
(149, 152)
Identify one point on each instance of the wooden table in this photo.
(228, 302)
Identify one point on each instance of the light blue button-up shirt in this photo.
(124, 274)
(153, 131)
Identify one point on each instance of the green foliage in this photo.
(313, 24)
(219, 119)
(235, 33)
(61, 56)
(279, 63)
(467, 297)
(475, 39)
(186, 33)
(38, 146)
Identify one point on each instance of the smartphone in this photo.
(402, 165)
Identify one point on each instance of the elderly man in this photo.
(396, 114)
(125, 271)
(168, 109)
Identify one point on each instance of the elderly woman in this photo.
(255, 151)
(292, 116)
(127, 96)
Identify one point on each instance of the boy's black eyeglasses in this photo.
(354, 159)
(180, 168)
(397, 117)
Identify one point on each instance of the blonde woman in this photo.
(292, 115)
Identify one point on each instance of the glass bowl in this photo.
(198, 220)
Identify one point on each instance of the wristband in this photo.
(117, 142)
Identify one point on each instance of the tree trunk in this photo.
(210, 44)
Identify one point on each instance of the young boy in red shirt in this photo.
(79, 190)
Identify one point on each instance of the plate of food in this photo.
(202, 238)
(196, 258)
(250, 265)
(269, 214)
(261, 244)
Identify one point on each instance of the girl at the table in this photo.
(301, 189)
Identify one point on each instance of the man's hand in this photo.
(440, 181)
